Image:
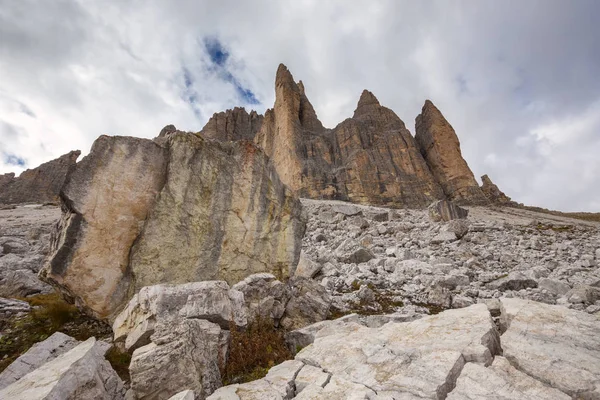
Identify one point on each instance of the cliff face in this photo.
(234, 124)
(38, 185)
(440, 147)
(174, 210)
(370, 158)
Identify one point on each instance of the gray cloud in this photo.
(517, 80)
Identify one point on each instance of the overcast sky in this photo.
(518, 80)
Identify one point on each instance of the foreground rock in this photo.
(38, 185)
(176, 210)
(81, 373)
(453, 355)
(554, 345)
(180, 334)
(39, 354)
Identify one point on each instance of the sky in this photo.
(518, 80)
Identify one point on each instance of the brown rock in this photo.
(492, 192)
(38, 185)
(234, 124)
(191, 209)
(370, 158)
(440, 147)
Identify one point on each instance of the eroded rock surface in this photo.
(177, 210)
(235, 124)
(492, 192)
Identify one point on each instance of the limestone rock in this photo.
(492, 192)
(182, 355)
(39, 354)
(210, 300)
(234, 124)
(38, 185)
(444, 210)
(309, 303)
(11, 307)
(185, 395)
(501, 381)
(422, 358)
(80, 373)
(192, 209)
(557, 288)
(302, 337)
(516, 280)
(440, 147)
(369, 158)
(307, 268)
(583, 294)
(108, 197)
(264, 296)
(554, 345)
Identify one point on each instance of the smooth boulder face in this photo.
(440, 147)
(238, 219)
(188, 209)
(81, 373)
(38, 185)
(107, 199)
(554, 345)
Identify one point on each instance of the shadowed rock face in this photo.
(370, 158)
(440, 147)
(176, 210)
(38, 185)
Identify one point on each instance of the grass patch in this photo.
(51, 314)
(253, 351)
(120, 361)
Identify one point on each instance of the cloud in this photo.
(517, 80)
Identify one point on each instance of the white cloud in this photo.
(518, 81)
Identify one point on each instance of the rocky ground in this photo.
(24, 244)
(372, 259)
(383, 271)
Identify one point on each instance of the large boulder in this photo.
(38, 185)
(176, 210)
(309, 302)
(80, 373)
(210, 300)
(554, 345)
(265, 297)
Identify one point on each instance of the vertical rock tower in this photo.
(440, 147)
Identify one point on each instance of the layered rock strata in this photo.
(440, 147)
(38, 185)
(176, 210)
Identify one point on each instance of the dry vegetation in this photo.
(50, 314)
(253, 351)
